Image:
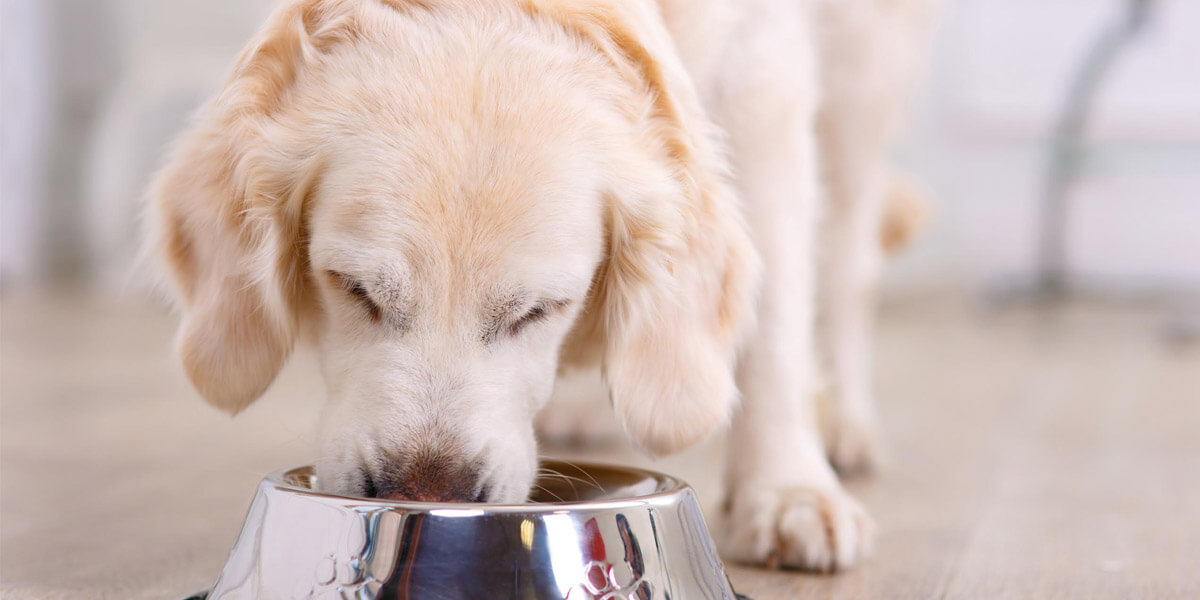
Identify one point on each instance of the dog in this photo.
(456, 200)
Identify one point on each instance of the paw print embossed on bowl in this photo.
(633, 535)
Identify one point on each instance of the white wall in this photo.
(103, 85)
(1000, 74)
(92, 91)
(24, 95)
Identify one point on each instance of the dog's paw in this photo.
(813, 529)
(854, 444)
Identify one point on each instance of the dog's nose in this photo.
(429, 479)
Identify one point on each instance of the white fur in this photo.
(458, 163)
(808, 93)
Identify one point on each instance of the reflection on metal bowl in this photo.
(609, 533)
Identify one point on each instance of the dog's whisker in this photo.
(584, 471)
(571, 479)
(575, 479)
(546, 491)
(569, 482)
(552, 474)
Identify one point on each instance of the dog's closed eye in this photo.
(535, 314)
(356, 289)
(539, 312)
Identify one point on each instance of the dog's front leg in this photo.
(785, 506)
(874, 56)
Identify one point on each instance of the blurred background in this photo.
(1058, 278)
(94, 89)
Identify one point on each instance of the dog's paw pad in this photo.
(812, 529)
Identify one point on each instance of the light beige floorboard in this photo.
(1031, 457)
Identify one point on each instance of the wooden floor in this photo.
(1032, 456)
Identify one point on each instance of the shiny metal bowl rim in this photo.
(668, 488)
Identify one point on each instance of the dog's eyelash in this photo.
(356, 289)
(360, 292)
(535, 314)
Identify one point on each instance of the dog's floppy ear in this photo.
(676, 293)
(225, 213)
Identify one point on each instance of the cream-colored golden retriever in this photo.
(455, 200)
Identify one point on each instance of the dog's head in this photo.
(449, 198)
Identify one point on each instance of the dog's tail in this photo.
(906, 210)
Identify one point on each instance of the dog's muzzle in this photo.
(426, 476)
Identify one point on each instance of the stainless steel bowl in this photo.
(596, 532)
